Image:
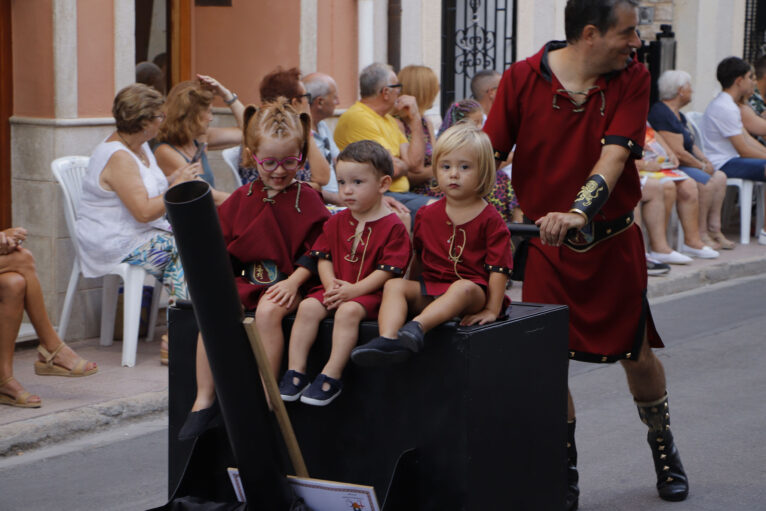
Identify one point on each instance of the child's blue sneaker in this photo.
(317, 396)
(381, 351)
(288, 389)
(411, 335)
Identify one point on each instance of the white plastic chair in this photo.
(69, 172)
(745, 188)
(231, 156)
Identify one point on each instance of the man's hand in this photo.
(395, 205)
(554, 227)
(407, 109)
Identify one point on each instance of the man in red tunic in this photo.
(576, 112)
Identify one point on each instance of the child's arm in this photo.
(326, 273)
(495, 294)
(343, 291)
(284, 292)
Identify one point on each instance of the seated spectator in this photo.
(653, 210)
(756, 99)
(20, 291)
(484, 89)
(150, 74)
(421, 83)
(287, 83)
(665, 116)
(324, 98)
(370, 119)
(728, 145)
(122, 214)
(659, 157)
(186, 134)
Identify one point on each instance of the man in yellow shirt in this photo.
(370, 119)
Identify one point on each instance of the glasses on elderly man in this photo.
(289, 163)
(393, 86)
(307, 96)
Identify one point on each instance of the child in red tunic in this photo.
(360, 249)
(269, 228)
(464, 248)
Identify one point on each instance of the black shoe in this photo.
(573, 490)
(411, 335)
(654, 267)
(381, 351)
(200, 421)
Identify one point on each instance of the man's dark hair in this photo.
(760, 67)
(729, 69)
(368, 151)
(477, 82)
(599, 13)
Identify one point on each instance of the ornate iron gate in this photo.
(755, 30)
(476, 35)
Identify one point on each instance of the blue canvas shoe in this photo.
(317, 396)
(381, 351)
(288, 389)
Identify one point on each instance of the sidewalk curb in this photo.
(720, 272)
(64, 425)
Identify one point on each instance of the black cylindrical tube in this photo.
(526, 230)
(209, 277)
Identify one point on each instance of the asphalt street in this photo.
(715, 347)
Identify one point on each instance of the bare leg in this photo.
(311, 312)
(653, 206)
(399, 296)
(646, 376)
(12, 291)
(688, 212)
(268, 320)
(718, 182)
(345, 334)
(462, 297)
(22, 262)
(570, 406)
(705, 192)
(205, 386)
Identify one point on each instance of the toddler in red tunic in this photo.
(463, 246)
(269, 227)
(359, 249)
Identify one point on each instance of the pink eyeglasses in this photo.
(270, 164)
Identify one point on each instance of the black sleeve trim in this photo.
(498, 269)
(307, 262)
(392, 269)
(320, 255)
(636, 149)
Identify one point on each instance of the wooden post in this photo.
(272, 392)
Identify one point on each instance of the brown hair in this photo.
(370, 152)
(275, 119)
(135, 105)
(185, 106)
(281, 82)
(466, 135)
(421, 82)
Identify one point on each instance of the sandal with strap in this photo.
(49, 368)
(21, 401)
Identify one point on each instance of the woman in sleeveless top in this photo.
(187, 132)
(122, 215)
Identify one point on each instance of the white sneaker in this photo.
(762, 238)
(702, 253)
(672, 258)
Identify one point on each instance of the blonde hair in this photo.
(184, 108)
(275, 119)
(467, 135)
(134, 105)
(421, 82)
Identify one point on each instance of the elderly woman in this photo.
(186, 132)
(675, 91)
(121, 216)
(19, 291)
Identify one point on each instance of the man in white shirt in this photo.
(728, 145)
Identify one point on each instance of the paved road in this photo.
(716, 348)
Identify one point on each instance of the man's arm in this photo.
(747, 147)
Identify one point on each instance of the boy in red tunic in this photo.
(359, 249)
(577, 113)
(269, 227)
(463, 246)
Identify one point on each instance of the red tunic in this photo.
(276, 232)
(383, 245)
(470, 251)
(556, 149)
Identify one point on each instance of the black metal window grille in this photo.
(755, 30)
(476, 35)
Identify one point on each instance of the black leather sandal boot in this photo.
(672, 483)
(573, 490)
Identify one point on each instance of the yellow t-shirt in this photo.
(361, 122)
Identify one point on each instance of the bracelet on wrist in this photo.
(591, 198)
(231, 101)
